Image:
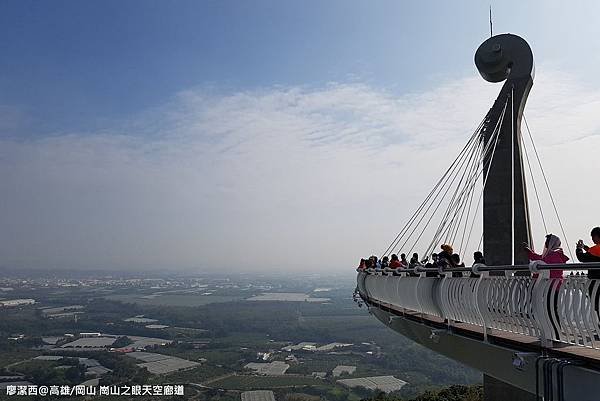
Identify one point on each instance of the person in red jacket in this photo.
(552, 254)
(395, 263)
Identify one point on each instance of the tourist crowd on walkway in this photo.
(447, 260)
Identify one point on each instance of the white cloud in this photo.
(282, 178)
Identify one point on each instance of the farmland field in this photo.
(174, 299)
(287, 297)
(247, 382)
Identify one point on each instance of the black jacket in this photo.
(588, 257)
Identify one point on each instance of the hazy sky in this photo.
(264, 134)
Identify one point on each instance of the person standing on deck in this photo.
(444, 258)
(403, 260)
(431, 265)
(385, 262)
(585, 253)
(395, 263)
(457, 263)
(414, 262)
(552, 254)
(478, 259)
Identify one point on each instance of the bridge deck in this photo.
(518, 341)
(550, 316)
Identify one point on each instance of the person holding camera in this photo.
(586, 253)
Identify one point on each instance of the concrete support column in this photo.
(496, 390)
(505, 209)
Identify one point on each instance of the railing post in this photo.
(591, 288)
(442, 296)
(540, 294)
(481, 304)
(417, 292)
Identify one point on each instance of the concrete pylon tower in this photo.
(505, 209)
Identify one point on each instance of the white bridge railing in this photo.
(562, 310)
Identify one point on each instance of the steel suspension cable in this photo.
(433, 214)
(455, 201)
(537, 197)
(548, 187)
(487, 173)
(449, 173)
(468, 195)
(512, 174)
(483, 155)
(442, 227)
(453, 231)
(462, 239)
(433, 191)
(464, 194)
(468, 199)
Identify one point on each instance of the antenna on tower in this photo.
(491, 30)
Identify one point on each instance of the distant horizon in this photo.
(162, 272)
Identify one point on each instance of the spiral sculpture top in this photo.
(504, 56)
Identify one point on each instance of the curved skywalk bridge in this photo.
(533, 338)
(514, 304)
(509, 327)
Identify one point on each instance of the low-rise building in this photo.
(275, 368)
(299, 346)
(331, 347)
(342, 369)
(90, 342)
(387, 384)
(9, 303)
(258, 395)
(90, 335)
(161, 364)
